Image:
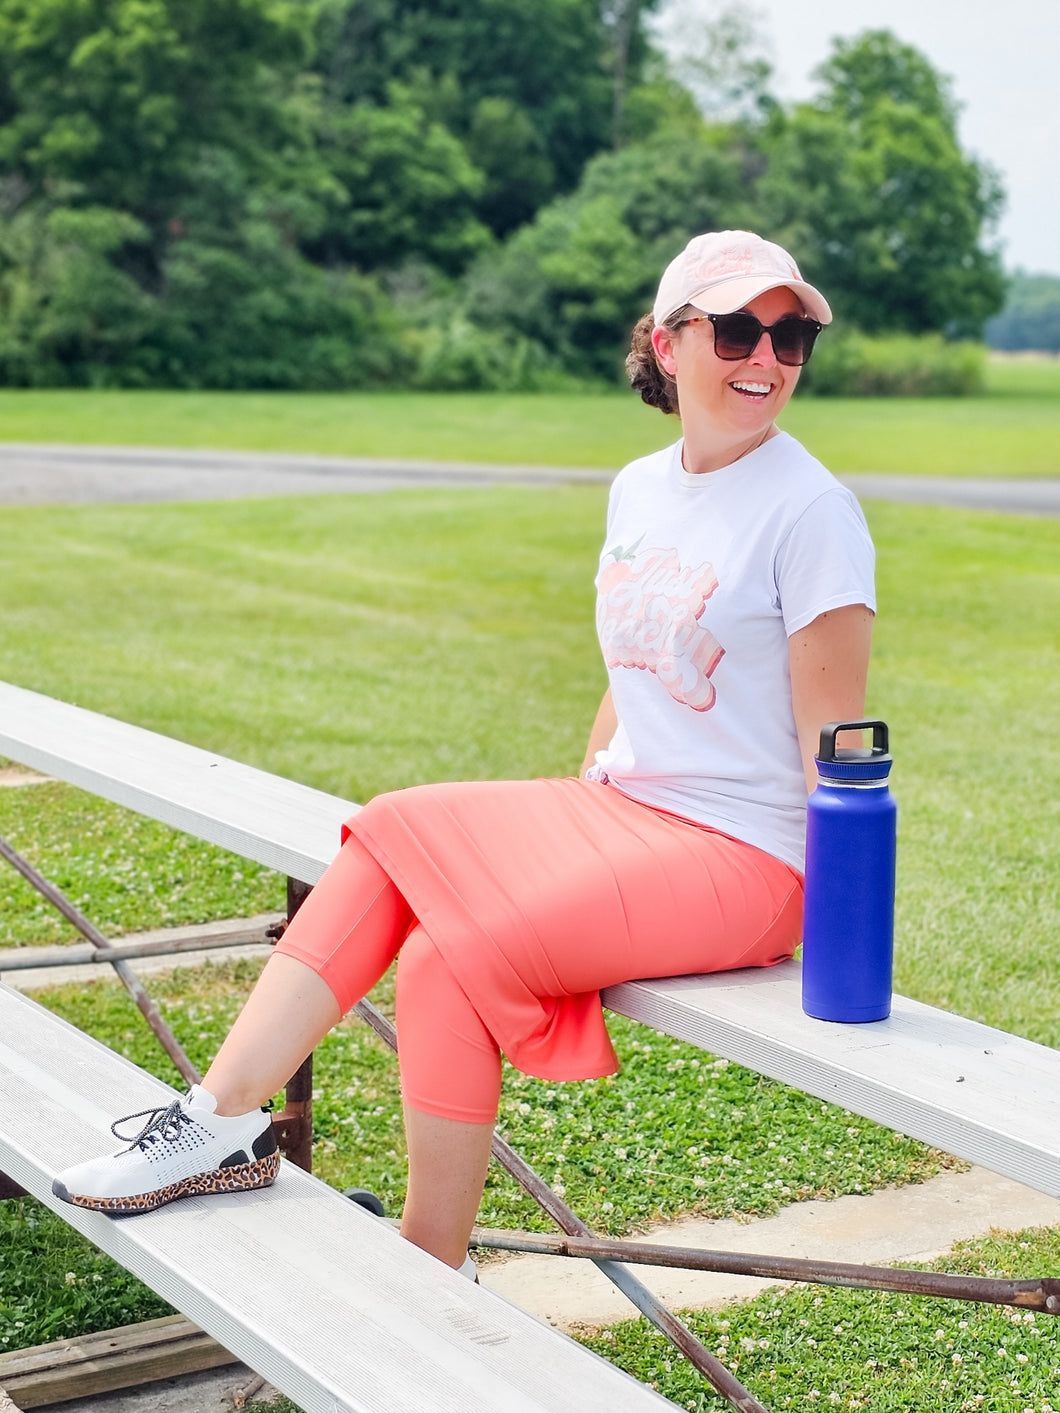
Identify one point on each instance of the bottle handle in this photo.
(880, 737)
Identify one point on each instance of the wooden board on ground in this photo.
(109, 1360)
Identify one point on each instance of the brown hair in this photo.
(646, 377)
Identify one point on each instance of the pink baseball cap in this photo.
(722, 271)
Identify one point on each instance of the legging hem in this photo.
(456, 1113)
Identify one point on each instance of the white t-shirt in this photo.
(702, 580)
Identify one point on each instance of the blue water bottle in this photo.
(848, 928)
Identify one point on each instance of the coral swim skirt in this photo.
(537, 893)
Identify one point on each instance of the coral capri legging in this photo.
(511, 904)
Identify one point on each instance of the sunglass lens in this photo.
(793, 339)
(735, 335)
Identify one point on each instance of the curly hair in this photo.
(646, 377)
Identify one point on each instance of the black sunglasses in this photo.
(737, 335)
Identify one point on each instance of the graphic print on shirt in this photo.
(648, 616)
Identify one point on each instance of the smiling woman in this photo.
(734, 603)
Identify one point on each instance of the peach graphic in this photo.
(648, 614)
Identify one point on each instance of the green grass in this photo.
(1024, 375)
(127, 872)
(980, 436)
(356, 643)
(1012, 431)
(368, 643)
(814, 1348)
(966, 669)
(55, 1285)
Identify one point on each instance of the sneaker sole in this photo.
(262, 1172)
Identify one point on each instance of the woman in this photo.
(735, 606)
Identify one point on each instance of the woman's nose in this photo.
(763, 355)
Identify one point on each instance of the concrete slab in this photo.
(12, 776)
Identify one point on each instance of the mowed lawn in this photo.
(365, 643)
(1013, 430)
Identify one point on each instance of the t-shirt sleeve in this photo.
(614, 495)
(826, 560)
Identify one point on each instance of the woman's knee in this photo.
(420, 968)
(450, 1063)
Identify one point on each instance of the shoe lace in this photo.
(164, 1123)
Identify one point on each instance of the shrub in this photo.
(894, 365)
(86, 302)
(456, 355)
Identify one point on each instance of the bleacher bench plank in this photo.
(330, 1305)
(279, 823)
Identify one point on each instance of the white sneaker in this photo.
(183, 1150)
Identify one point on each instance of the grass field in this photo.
(1012, 431)
(370, 642)
(363, 643)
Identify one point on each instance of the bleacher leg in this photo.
(10, 1188)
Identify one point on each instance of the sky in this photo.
(1004, 61)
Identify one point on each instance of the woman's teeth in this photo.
(758, 389)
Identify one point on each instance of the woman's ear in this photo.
(663, 341)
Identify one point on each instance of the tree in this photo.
(117, 98)
(579, 276)
(63, 301)
(547, 62)
(869, 185)
(159, 173)
(403, 185)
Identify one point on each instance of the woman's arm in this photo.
(604, 728)
(829, 668)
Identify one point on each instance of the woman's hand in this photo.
(829, 668)
(604, 727)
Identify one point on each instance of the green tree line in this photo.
(461, 193)
(1031, 316)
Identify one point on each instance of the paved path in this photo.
(66, 475)
(32, 474)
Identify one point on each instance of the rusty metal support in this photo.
(653, 1309)
(10, 1188)
(1042, 1295)
(294, 1124)
(128, 977)
(163, 947)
